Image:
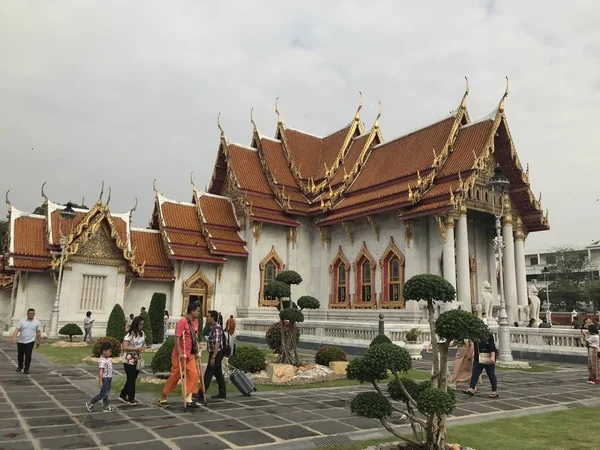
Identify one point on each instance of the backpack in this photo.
(228, 345)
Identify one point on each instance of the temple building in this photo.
(356, 215)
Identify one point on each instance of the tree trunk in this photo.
(289, 354)
(436, 432)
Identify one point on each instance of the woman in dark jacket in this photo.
(484, 359)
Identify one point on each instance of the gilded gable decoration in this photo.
(325, 234)
(441, 226)
(292, 236)
(349, 232)
(374, 226)
(256, 230)
(408, 232)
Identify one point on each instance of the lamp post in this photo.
(546, 272)
(67, 214)
(499, 184)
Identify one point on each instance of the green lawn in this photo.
(559, 430)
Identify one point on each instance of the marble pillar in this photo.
(463, 280)
(522, 295)
(449, 255)
(508, 261)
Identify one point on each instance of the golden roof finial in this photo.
(501, 105)
(345, 173)
(360, 103)
(410, 192)
(330, 191)
(460, 181)
(527, 173)
(463, 103)
(192, 180)
(154, 186)
(108, 199)
(6, 198)
(279, 118)
(43, 194)
(101, 193)
(219, 125)
(452, 200)
(419, 180)
(252, 118)
(326, 169)
(540, 200)
(82, 202)
(378, 116)
(134, 206)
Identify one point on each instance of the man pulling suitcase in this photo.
(214, 367)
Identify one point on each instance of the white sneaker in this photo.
(109, 409)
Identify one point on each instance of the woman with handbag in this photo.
(484, 358)
(134, 343)
(463, 363)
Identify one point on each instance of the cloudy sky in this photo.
(129, 91)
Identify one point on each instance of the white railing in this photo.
(546, 340)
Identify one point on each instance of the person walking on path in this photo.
(230, 326)
(484, 358)
(214, 345)
(105, 374)
(88, 323)
(463, 363)
(129, 322)
(29, 332)
(184, 339)
(134, 343)
(165, 325)
(593, 343)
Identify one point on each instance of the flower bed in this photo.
(65, 344)
(93, 359)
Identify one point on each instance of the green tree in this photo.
(592, 293)
(115, 326)
(156, 313)
(147, 327)
(431, 398)
(42, 210)
(70, 329)
(289, 314)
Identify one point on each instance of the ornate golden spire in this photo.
(134, 206)
(43, 194)
(360, 103)
(279, 118)
(6, 198)
(419, 180)
(108, 199)
(220, 127)
(410, 193)
(192, 181)
(501, 105)
(252, 119)
(101, 193)
(154, 187)
(378, 116)
(463, 102)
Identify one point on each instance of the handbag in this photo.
(484, 358)
(140, 363)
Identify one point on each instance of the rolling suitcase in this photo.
(241, 381)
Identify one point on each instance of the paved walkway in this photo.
(46, 411)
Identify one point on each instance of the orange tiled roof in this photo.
(19, 262)
(149, 248)
(180, 216)
(332, 145)
(356, 147)
(248, 169)
(30, 236)
(66, 227)
(218, 211)
(277, 162)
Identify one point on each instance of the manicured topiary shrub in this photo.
(115, 344)
(277, 289)
(371, 405)
(147, 328)
(308, 302)
(116, 323)
(161, 362)
(289, 277)
(273, 337)
(380, 339)
(248, 359)
(70, 329)
(325, 355)
(156, 313)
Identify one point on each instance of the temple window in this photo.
(364, 266)
(341, 284)
(366, 287)
(340, 280)
(392, 264)
(269, 268)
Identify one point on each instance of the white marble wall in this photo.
(229, 290)
(141, 292)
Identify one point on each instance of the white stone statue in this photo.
(534, 303)
(486, 299)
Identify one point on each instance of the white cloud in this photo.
(129, 91)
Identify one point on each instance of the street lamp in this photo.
(546, 272)
(499, 184)
(68, 214)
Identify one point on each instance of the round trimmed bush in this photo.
(273, 337)
(147, 328)
(156, 312)
(388, 356)
(413, 388)
(115, 326)
(428, 287)
(161, 362)
(364, 373)
(277, 289)
(458, 325)
(371, 405)
(380, 339)
(291, 314)
(248, 359)
(289, 277)
(308, 302)
(436, 401)
(325, 355)
(70, 329)
(115, 344)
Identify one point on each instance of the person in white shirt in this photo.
(593, 342)
(88, 323)
(29, 332)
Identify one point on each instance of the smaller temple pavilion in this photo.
(356, 215)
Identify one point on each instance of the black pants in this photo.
(217, 372)
(24, 350)
(128, 391)
(490, 369)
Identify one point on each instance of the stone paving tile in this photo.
(302, 416)
(201, 442)
(248, 438)
(17, 445)
(12, 434)
(67, 430)
(109, 438)
(41, 412)
(148, 445)
(329, 427)
(265, 420)
(74, 442)
(220, 426)
(290, 432)
(178, 430)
